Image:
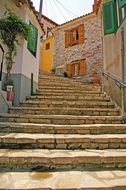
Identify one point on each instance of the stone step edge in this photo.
(66, 109)
(68, 102)
(67, 180)
(58, 129)
(60, 116)
(68, 92)
(53, 141)
(61, 159)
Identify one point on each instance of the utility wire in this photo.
(53, 10)
(60, 10)
(66, 9)
(65, 12)
(46, 10)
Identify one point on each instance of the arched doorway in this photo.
(1, 60)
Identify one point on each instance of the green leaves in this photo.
(12, 27)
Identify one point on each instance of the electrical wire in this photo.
(66, 9)
(61, 13)
(55, 16)
(46, 10)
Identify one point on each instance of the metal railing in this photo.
(122, 87)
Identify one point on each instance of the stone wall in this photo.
(90, 50)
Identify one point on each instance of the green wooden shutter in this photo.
(122, 3)
(32, 39)
(110, 17)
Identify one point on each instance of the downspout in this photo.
(40, 9)
(122, 71)
(1, 64)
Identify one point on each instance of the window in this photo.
(74, 36)
(122, 3)
(76, 68)
(48, 31)
(114, 12)
(32, 39)
(121, 14)
(47, 46)
(109, 17)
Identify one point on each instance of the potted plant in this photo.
(95, 78)
(53, 70)
(12, 29)
(10, 90)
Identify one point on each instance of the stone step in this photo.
(68, 88)
(68, 104)
(66, 84)
(68, 93)
(61, 79)
(64, 180)
(94, 129)
(60, 119)
(57, 78)
(62, 141)
(69, 98)
(65, 111)
(62, 159)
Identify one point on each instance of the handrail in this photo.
(122, 85)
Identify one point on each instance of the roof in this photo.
(83, 16)
(95, 8)
(30, 3)
(49, 20)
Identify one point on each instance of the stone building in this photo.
(78, 47)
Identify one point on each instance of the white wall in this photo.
(25, 62)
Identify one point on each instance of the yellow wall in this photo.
(46, 59)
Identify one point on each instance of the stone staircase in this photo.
(68, 135)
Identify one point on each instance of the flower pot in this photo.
(96, 79)
(10, 96)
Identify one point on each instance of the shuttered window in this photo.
(83, 68)
(68, 70)
(32, 39)
(110, 17)
(74, 36)
(76, 68)
(122, 3)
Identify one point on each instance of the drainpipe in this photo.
(122, 70)
(1, 66)
(40, 9)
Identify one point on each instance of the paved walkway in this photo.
(64, 180)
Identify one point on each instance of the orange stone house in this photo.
(78, 47)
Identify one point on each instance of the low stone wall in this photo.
(114, 91)
(3, 103)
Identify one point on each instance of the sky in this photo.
(61, 11)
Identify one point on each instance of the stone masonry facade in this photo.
(90, 50)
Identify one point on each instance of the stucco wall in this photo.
(47, 55)
(91, 49)
(112, 60)
(25, 62)
(112, 52)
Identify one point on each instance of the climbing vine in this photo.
(12, 29)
